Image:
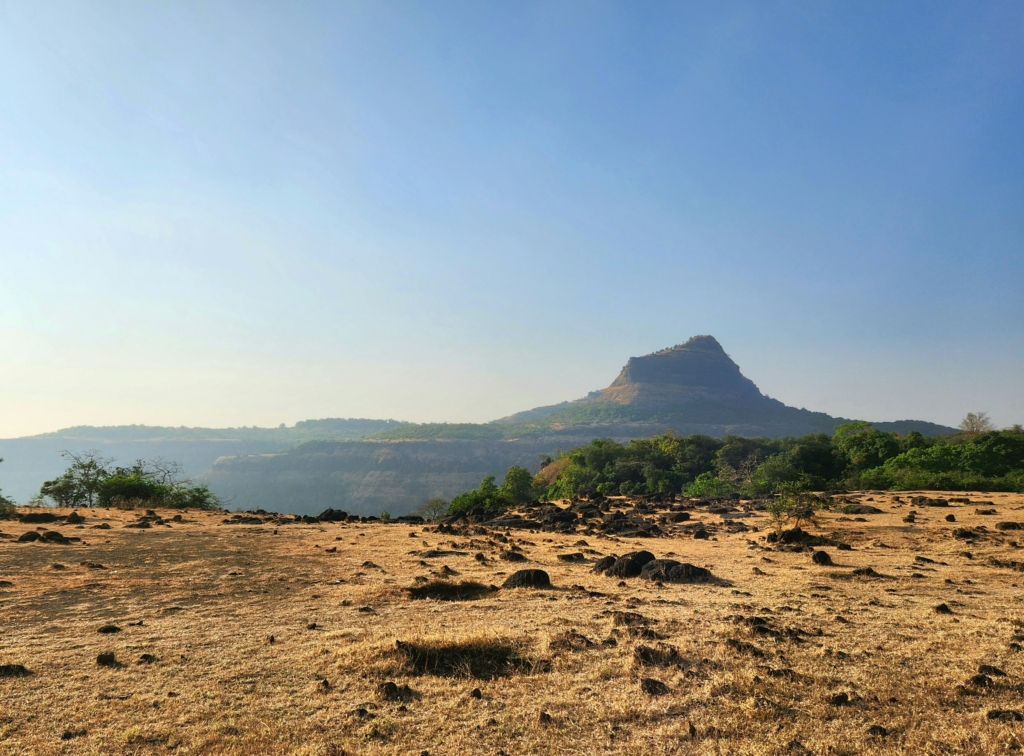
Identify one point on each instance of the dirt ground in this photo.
(778, 656)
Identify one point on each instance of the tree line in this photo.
(91, 480)
(855, 456)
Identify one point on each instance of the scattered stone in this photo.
(839, 699)
(29, 536)
(14, 670)
(653, 687)
(147, 659)
(72, 734)
(476, 693)
(391, 691)
(822, 558)
(866, 572)
(671, 571)
(528, 579)
(38, 518)
(988, 669)
(950, 518)
(604, 563)
(106, 659)
(980, 681)
(74, 519)
(629, 565)
(311, 626)
(1009, 526)
(109, 629)
(575, 557)
(545, 718)
(512, 556)
(1005, 715)
(877, 731)
(943, 609)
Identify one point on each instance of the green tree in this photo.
(518, 485)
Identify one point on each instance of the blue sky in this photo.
(253, 213)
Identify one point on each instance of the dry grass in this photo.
(751, 668)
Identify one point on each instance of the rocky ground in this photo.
(892, 625)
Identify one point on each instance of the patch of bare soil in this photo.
(257, 634)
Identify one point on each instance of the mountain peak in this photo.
(698, 370)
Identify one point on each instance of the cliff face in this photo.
(698, 370)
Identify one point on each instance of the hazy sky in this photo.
(219, 213)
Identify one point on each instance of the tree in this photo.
(433, 509)
(80, 484)
(6, 505)
(518, 485)
(976, 423)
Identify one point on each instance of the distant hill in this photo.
(30, 460)
(367, 466)
(690, 388)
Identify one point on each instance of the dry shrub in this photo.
(481, 656)
(443, 590)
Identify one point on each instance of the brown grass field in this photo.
(780, 656)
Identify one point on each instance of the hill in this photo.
(367, 466)
(689, 388)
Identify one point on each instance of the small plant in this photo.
(793, 504)
(385, 516)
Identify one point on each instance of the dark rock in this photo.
(860, 509)
(38, 518)
(980, 681)
(988, 669)
(72, 734)
(1005, 715)
(866, 572)
(512, 556)
(1009, 526)
(877, 731)
(545, 718)
(943, 609)
(311, 626)
(106, 659)
(604, 563)
(653, 687)
(575, 557)
(671, 571)
(822, 558)
(109, 629)
(839, 699)
(476, 693)
(391, 691)
(662, 655)
(14, 670)
(74, 519)
(528, 579)
(29, 536)
(52, 536)
(147, 659)
(630, 565)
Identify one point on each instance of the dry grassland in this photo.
(829, 655)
